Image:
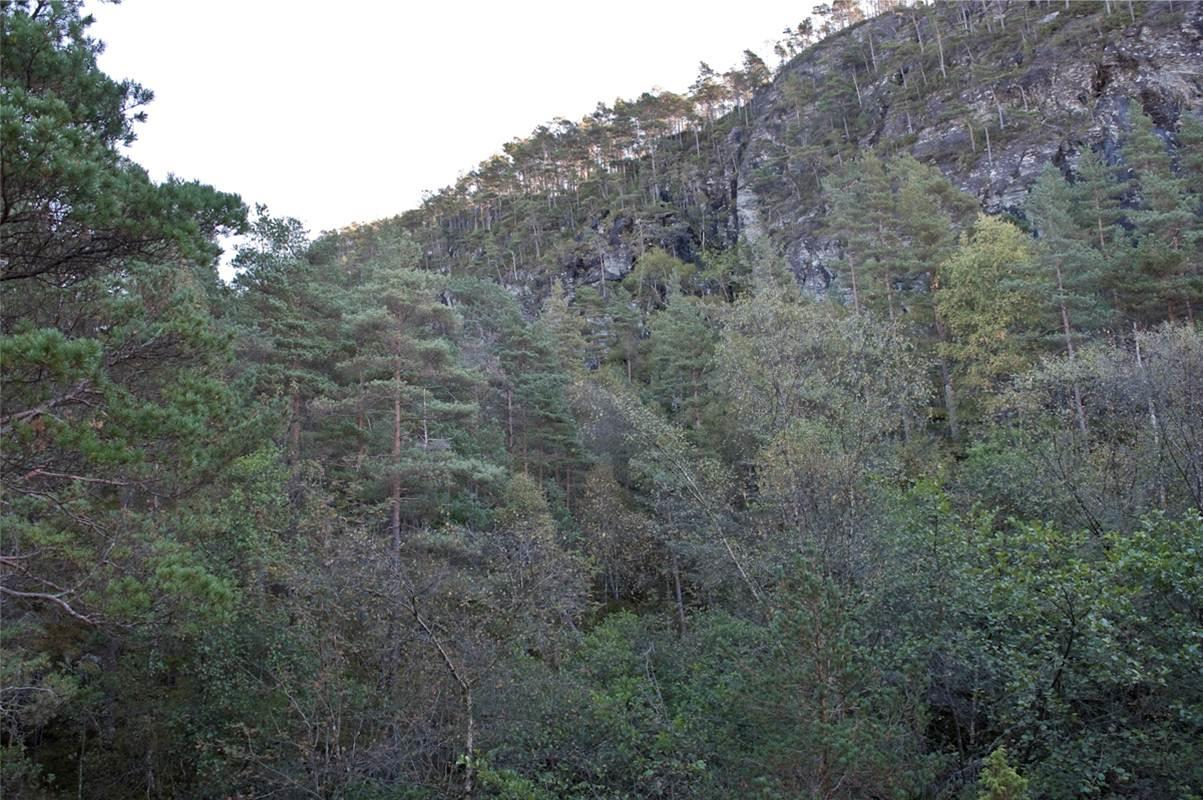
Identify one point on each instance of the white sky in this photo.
(346, 112)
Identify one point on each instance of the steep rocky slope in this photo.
(990, 93)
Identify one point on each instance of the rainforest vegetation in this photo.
(562, 486)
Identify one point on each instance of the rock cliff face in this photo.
(988, 92)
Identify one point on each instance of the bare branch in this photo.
(51, 598)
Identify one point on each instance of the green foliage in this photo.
(836, 725)
(655, 715)
(1076, 649)
(823, 400)
(362, 525)
(1140, 398)
(1160, 279)
(531, 372)
(657, 274)
(565, 330)
(680, 359)
(1070, 269)
(864, 215)
(999, 780)
(987, 300)
(73, 205)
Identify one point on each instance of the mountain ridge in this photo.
(989, 93)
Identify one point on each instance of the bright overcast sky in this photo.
(339, 113)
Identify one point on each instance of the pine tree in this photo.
(565, 328)
(680, 359)
(627, 324)
(862, 216)
(1069, 270)
(613, 327)
(1190, 156)
(1190, 153)
(1073, 269)
(405, 395)
(897, 221)
(290, 314)
(541, 434)
(73, 204)
(1097, 193)
(931, 211)
(1160, 281)
(120, 436)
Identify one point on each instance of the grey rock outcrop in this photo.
(1047, 85)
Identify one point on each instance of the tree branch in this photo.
(52, 598)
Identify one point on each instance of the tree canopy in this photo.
(569, 484)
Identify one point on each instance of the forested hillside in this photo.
(829, 430)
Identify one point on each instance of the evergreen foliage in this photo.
(361, 524)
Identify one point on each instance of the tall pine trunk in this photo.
(294, 426)
(950, 398)
(395, 524)
(1079, 409)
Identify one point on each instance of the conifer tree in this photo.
(999, 780)
(860, 213)
(540, 431)
(1190, 167)
(680, 359)
(613, 327)
(73, 204)
(405, 394)
(1190, 153)
(118, 431)
(1159, 282)
(1096, 207)
(1073, 269)
(1069, 270)
(290, 313)
(931, 213)
(869, 211)
(564, 327)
